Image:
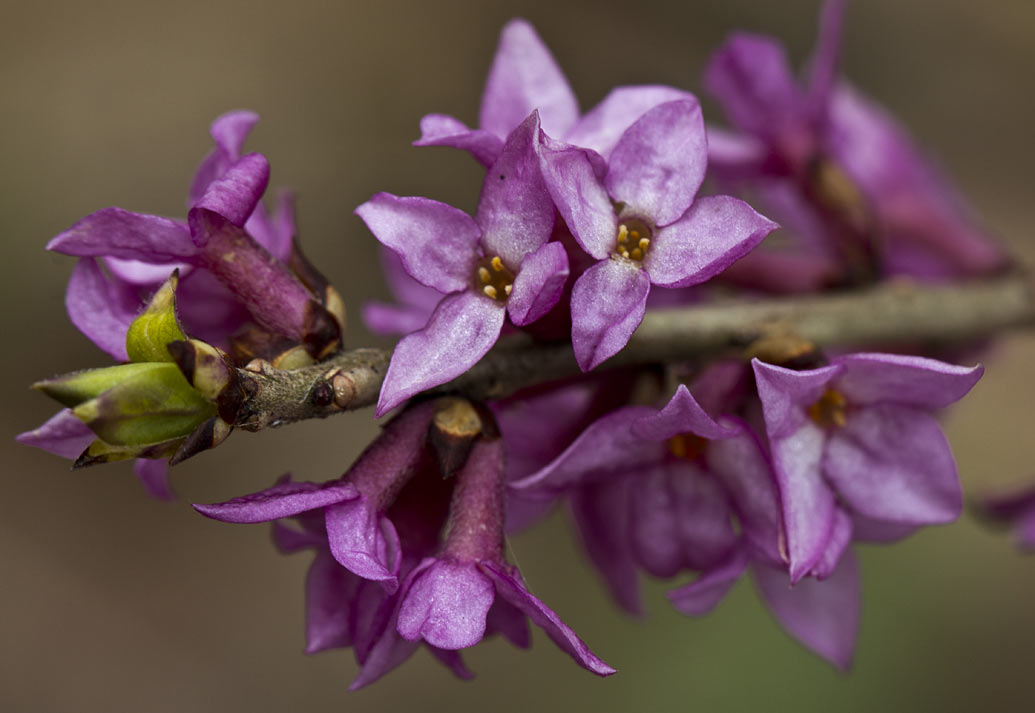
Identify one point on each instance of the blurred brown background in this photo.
(110, 601)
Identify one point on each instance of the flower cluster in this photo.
(775, 459)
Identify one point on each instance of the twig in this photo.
(891, 313)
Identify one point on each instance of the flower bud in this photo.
(149, 333)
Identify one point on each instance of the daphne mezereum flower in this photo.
(451, 599)
(835, 167)
(857, 452)
(1016, 510)
(499, 263)
(216, 294)
(639, 219)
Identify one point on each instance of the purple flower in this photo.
(360, 535)
(857, 452)
(452, 599)
(496, 264)
(226, 218)
(836, 168)
(658, 490)
(1015, 509)
(639, 219)
(415, 301)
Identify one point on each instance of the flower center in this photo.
(830, 409)
(494, 279)
(688, 446)
(633, 239)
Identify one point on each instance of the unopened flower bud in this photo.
(156, 327)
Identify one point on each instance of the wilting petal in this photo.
(786, 393)
(906, 380)
(716, 232)
(100, 308)
(364, 541)
(607, 305)
(603, 125)
(229, 131)
(893, 463)
(741, 466)
(752, 80)
(114, 232)
(62, 434)
(523, 77)
(462, 329)
(679, 519)
(233, 195)
(682, 414)
(608, 447)
(822, 615)
(841, 535)
(581, 199)
(442, 130)
(701, 595)
(539, 284)
(515, 212)
(154, 474)
(282, 500)
(601, 514)
(330, 590)
(542, 616)
(446, 604)
(437, 243)
(659, 162)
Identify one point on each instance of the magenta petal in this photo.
(735, 156)
(154, 474)
(786, 393)
(437, 243)
(752, 80)
(453, 661)
(742, 468)
(100, 308)
(442, 130)
(461, 330)
(387, 652)
(702, 595)
(288, 540)
(716, 232)
(865, 529)
(601, 514)
(233, 195)
(905, 380)
(539, 284)
(504, 618)
(115, 232)
(392, 320)
(144, 274)
(364, 541)
(606, 448)
(524, 76)
(659, 162)
(330, 590)
(446, 604)
(581, 199)
(282, 500)
(515, 212)
(823, 64)
(607, 305)
(542, 616)
(602, 127)
(62, 434)
(824, 616)
(229, 132)
(274, 233)
(682, 414)
(679, 519)
(841, 535)
(893, 463)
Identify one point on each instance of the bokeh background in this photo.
(110, 601)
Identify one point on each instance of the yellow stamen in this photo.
(483, 275)
(623, 234)
(623, 252)
(634, 234)
(644, 244)
(829, 410)
(508, 289)
(497, 264)
(636, 254)
(490, 291)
